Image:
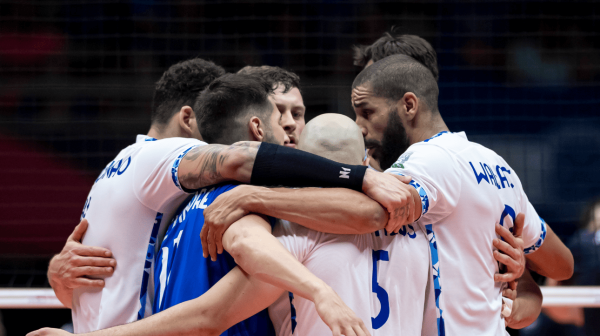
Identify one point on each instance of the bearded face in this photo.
(393, 143)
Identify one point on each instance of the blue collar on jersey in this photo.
(143, 137)
(435, 136)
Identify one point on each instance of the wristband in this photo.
(278, 165)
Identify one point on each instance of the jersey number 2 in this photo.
(379, 320)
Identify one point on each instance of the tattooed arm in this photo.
(212, 164)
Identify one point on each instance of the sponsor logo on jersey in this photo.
(401, 160)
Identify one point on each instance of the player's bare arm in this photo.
(73, 266)
(234, 298)
(331, 210)
(207, 165)
(527, 305)
(553, 259)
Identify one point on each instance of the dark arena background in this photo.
(76, 83)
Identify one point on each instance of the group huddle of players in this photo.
(389, 224)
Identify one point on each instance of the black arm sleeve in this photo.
(279, 165)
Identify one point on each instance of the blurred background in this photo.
(76, 83)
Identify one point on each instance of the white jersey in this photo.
(129, 204)
(382, 278)
(465, 190)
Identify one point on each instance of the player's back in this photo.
(183, 274)
(128, 205)
(382, 278)
(470, 189)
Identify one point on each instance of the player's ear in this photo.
(409, 104)
(187, 121)
(256, 129)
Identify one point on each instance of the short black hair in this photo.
(393, 43)
(179, 86)
(275, 75)
(396, 75)
(227, 102)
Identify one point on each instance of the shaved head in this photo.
(334, 136)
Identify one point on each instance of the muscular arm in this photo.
(528, 304)
(258, 252)
(334, 210)
(207, 165)
(553, 259)
(233, 299)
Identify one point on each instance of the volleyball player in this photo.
(464, 187)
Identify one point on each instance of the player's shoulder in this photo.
(174, 142)
(429, 153)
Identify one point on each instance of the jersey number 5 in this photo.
(378, 321)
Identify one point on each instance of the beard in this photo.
(392, 145)
(269, 137)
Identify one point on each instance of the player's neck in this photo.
(427, 128)
(164, 132)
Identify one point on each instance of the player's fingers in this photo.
(358, 331)
(92, 251)
(94, 261)
(519, 224)
(92, 271)
(348, 331)
(506, 260)
(203, 241)
(403, 178)
(364, 328)
(79, 231)
(84, 282)
(506, 235)
(219, 242)
(504, 247)
(513, 285)
(506, 277)
(212, 247)
(336, 331)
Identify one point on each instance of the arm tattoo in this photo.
(208, 163)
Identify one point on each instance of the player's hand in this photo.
(510, 251)
(76, 262)
(49, 332)
(225, 210)
(338, 317)
(510, 293)
(393, 193)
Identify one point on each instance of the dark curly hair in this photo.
(393, 43)
(274, 75)
(226, 104)
(179, 86)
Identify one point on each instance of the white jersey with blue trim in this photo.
(128, 207)
(465, 190)
(381, 277)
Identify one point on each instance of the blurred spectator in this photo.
(585, 246)
(2, 329)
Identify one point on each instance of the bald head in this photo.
(334, 136)
(396, 75)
